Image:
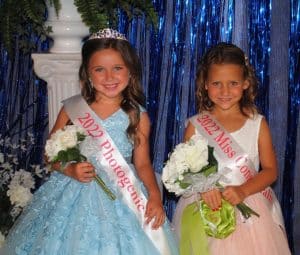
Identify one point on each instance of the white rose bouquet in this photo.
(17, 185)
(63, 147)
(191, 169)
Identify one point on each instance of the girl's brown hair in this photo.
(133, 96)
(226, 53)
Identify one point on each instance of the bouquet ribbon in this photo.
(218, 224)
(116, 167)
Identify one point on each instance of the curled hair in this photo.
(133, 95)
(226, 53)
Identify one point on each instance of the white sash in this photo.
(116, 167)
(234, 157)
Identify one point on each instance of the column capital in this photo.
(60, 71)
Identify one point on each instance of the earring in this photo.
(91, 83)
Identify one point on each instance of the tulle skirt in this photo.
(67, 217)
(264, 235)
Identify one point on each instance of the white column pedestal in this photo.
(60, 71)
(68, 30)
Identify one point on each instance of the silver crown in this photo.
(107, 33)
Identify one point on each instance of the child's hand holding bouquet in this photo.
(63, 148)
(191, 169)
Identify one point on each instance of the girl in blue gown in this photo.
(70, 214)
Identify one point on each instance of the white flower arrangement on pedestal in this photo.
(16, 184)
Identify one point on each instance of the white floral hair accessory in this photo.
(107, 33)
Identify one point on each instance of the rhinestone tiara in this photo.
(107, 33)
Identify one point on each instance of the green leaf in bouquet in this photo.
(80, 136)
(82, 158)
(184, 185)
(209, 169)
(62, 156)
(73, 154)
(211, 158)
(212, 166)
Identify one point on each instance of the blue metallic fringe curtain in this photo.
(259, 46)
(23, 107)
(290, 194)
(268, 31)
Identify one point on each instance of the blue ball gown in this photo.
(67, 217)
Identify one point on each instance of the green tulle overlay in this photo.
(220, 223)
(193, 238)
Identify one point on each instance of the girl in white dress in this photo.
(226, 88)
